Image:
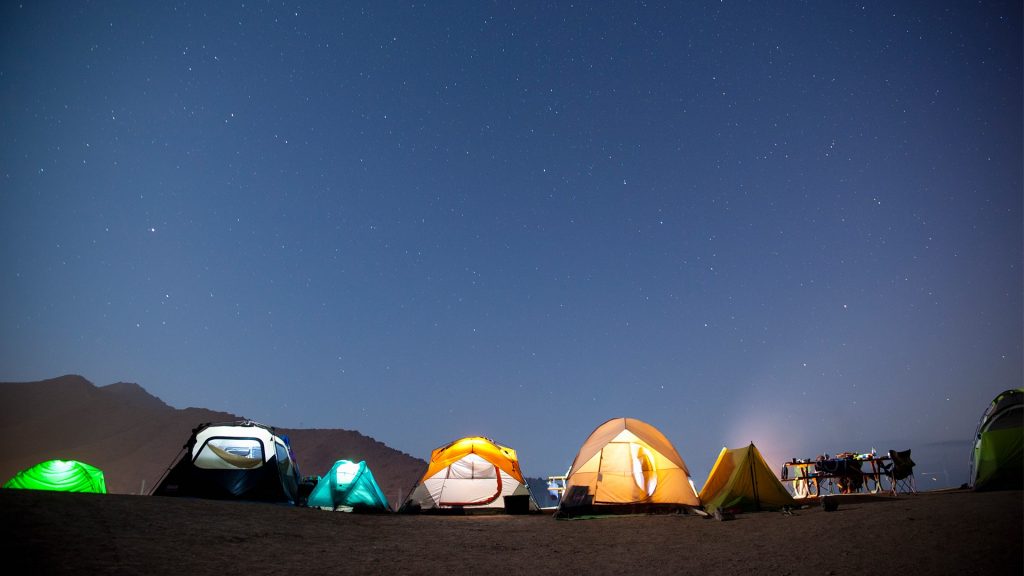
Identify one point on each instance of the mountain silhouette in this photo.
(134, 436)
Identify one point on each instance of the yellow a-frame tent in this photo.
(742, 479)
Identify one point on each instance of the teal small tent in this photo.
(349, 486)
(60, 476)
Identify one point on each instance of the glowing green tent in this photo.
(997, 461)
(349, 486)
(60, 476)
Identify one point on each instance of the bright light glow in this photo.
(346, 472)
(644, 472)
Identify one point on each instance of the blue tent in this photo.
(349, 486)
(234, 461)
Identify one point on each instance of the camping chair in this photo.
(901, 473)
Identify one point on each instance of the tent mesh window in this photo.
(230, 454)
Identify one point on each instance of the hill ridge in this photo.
(134, 436)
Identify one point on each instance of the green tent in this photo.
(349, 486)
(742, 479)
(60, 476)
(996, 462)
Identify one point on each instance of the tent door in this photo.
(616, 483)
(471, 481)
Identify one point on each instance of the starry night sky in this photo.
(797, 223)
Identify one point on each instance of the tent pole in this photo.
(753, 476)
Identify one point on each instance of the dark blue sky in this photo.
(797, 223)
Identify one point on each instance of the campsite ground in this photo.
(956, 532)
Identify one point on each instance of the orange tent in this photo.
(470, 473)
(627, 463)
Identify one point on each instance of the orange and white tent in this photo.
(628, 464)
(470, 473)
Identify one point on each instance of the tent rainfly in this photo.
(742, 479)
(60, 476)
(234, 461)
(472, 474)
(998, 456)
(627, 466)
(348, 487)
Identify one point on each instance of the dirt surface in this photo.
(956, 532)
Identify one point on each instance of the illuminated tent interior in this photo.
(624, 466)
(348, 487)
(234, 461)
(998, 456)
(471, 474)
(60, 476)
(741, 479)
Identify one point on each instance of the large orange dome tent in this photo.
(627, 465)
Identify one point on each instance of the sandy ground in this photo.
(955, 532)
